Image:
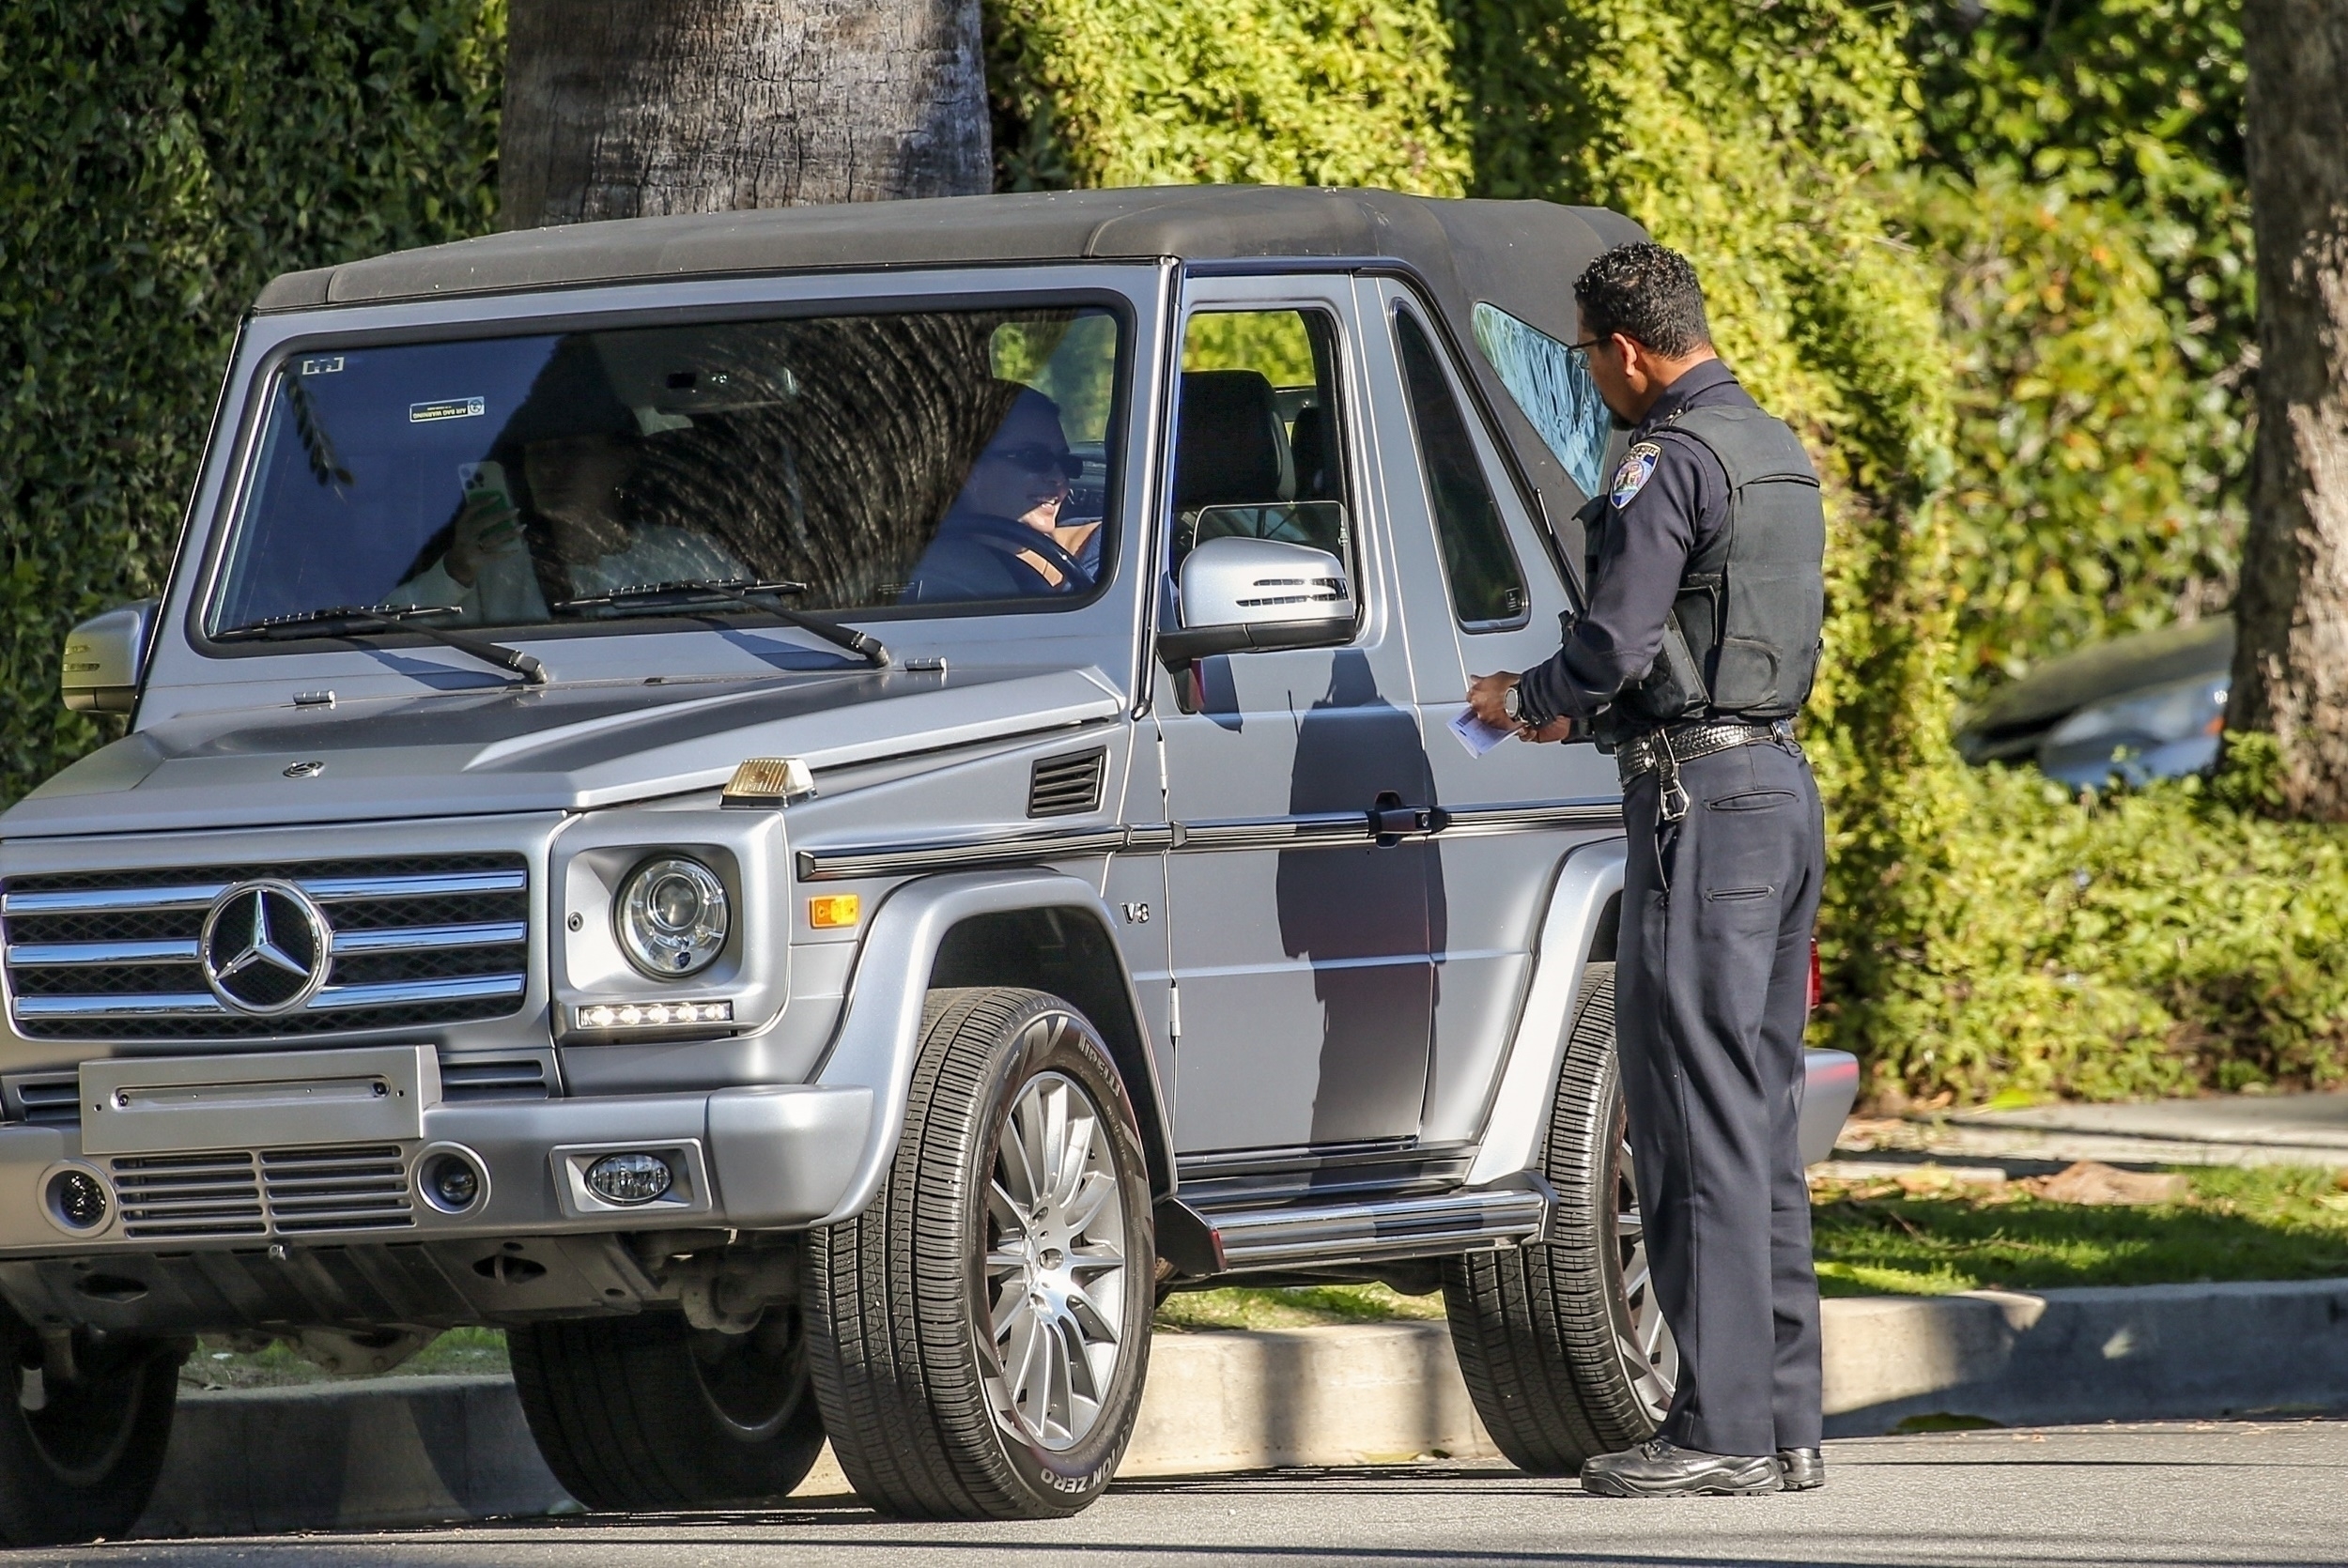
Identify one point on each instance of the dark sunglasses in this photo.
(1037, 458)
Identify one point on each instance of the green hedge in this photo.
(158, 160)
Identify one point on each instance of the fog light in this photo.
(451, 1182)
(629, 1179)
(455, 1185)
(78, 1199)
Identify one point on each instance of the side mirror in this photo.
(103, 657)
(1242, 592)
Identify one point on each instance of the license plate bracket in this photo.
(262, 1100)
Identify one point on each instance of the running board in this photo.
(1200, 1243)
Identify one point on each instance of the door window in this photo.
(1255, 444)
(1486, 584)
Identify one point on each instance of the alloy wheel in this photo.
(1054, 1291)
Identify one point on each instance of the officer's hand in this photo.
(1560, 728)
(1483, 698)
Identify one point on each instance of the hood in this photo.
(560, 748)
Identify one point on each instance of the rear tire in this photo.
(84, 1464)
(982, 1331)
(645, 1413)
(1564, 1346)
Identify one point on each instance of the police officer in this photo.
(1694, 655)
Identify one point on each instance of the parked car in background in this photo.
(2146, 706)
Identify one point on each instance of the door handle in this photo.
(1391, 822)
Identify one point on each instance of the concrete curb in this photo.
(408, 1451)
(2061, 1357)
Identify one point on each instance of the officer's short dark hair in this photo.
(1648, 293)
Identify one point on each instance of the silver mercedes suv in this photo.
(810, 809)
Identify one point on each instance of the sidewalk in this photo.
(2221, 1129)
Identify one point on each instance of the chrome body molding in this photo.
(1017, 847)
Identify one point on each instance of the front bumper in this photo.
(746, 1159)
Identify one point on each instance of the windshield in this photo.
(909, 459)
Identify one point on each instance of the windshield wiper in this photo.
(745, 592)
(360, 621)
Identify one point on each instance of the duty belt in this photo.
(1661, 751)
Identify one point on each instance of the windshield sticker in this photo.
(329, 365)
(447, 407)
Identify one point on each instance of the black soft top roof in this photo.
(1520, 256)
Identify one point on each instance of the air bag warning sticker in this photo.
(447, 407)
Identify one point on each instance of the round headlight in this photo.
(673, 917)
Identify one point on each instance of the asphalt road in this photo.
(2167, 1494)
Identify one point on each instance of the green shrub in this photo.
(2120, 121)
(160, 160)
(2088, 499)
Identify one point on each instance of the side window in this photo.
(1486, 584)
(1550, 382)
(1256, 437)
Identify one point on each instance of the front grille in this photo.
(189, 1195)
(51, 1101)
(336, 1188)
(422, 940)
(520, 1078)
(294, 1192)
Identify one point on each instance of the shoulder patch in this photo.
(1638, 465)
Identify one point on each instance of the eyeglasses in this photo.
(1037, 458)
(1587, 344)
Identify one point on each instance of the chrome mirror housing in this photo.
(1237, 592)
(103, 655)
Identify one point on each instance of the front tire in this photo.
(1564, 1346)
(635, 1414)
(85, 1463)
(980, 1333)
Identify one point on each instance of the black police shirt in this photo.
(1669, 499)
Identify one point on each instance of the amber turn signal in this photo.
(833, 911)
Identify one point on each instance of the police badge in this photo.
(1637, 468)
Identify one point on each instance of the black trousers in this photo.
(1711, 981)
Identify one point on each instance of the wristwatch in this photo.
(1512, 702)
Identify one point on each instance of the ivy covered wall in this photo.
(160, 160)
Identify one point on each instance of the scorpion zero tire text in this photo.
(1564, 1346)
(982, 1331)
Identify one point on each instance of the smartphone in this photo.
(479, 479)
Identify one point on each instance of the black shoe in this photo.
(1804, 1468)
(1661, 1468)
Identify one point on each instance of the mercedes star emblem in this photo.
(265, 948)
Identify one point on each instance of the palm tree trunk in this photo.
(631, 108)
(2291, 667)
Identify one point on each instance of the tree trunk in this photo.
(630, 108)
(2291, 667)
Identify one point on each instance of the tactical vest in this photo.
(1742, 641)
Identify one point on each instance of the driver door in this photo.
(1300, 944)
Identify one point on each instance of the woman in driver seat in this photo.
(1003, 537)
